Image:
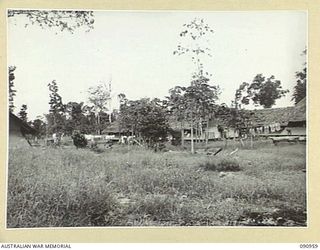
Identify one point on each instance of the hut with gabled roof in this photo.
(19, 132)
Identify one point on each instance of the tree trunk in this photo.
(196, 134)
(54, 123)
(207, 132)
(182, 137)
(98, 120)
(192, 142)
(201, 133)
(182, 133)
(225, 139)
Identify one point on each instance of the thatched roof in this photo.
(272, 115)
(177, 125)
(114, 128)
(280, 115)
(299, 111)
(259, 117)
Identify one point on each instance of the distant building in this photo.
(19, 131)
(215, 130)
(264, 122)
(297, 122)
(280, 121)
(116, 129)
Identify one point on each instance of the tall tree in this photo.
(56, 105)
(130, 114)
(194, 43)
(177, 107)
(193, 104)
(40, 126)
(300, 89)
(12, 91)
(99, 96)
(126, 117)
(262, 91)
(56, 119)
(75, 118)
(199, 97)
(64, 20)
(235, 117)
(145, 118)
(23, 113)
(153, 124)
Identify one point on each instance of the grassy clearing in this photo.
(138, 187)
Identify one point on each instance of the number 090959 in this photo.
(312, 246)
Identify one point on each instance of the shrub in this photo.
(98, 150)
(157, 207)
(79, 140)
(224, 165)
(284, 216)
(228, 165)
(212, 166)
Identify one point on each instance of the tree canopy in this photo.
(300, 89)
(262, 91)
(23, 113)
(194, 43)
(99, 97)
(64, 20)
(12, 91)
(57, 109)
(145, 118)
(195, 102)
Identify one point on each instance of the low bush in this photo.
(62, 207)
(157, 207)
(79, 140)
(284, 216)
(224, 165)
(228, 165)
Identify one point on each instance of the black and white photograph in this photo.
(156, 118)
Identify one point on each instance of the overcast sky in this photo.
(135, 51)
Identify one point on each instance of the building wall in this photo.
(213, 133)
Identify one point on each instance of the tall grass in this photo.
(135, 186)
